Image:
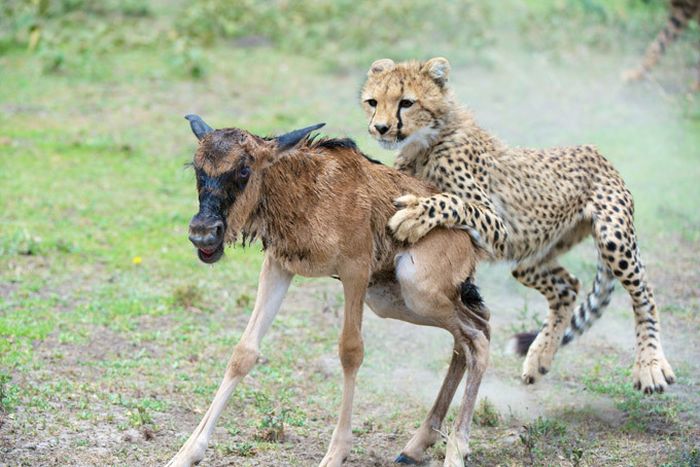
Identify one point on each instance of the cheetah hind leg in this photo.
(560, 289)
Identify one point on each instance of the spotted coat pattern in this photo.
(527, 206)
(681, 12)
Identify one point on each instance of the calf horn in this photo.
(199, 127)
(289, 140)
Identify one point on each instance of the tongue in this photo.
(206, 251)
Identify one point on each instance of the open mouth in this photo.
(210, 255)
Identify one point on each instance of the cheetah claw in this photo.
(405, 201)
(654, 376)
(409, 222)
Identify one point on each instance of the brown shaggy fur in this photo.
(321, 208)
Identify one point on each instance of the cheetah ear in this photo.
(438, 68)
(381, 65)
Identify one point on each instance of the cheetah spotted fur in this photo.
(525, 205)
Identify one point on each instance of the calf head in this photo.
(230, 167)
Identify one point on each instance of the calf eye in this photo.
(245, 172)
(405, 103)
(371, 102)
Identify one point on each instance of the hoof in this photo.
(543, 370)
(404, 459)
(529, 379)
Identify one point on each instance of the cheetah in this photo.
(680, 14)
(527, 206)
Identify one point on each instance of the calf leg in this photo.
(387, 301)
(429, 431)
(351, 350)
(476, 344)
(273, 285)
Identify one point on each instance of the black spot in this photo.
(611, 246)
(623, 264)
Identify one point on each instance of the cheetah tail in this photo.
(592, 307)
(584, 315)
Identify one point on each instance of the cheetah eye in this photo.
(371, 102)
(405, 103)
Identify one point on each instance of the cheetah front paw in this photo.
(410, 222)
(653, 375)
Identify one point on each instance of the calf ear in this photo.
(291, 139)
(381, 65)
(199, 127)
(438, 68)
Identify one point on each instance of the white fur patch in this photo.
(421, 138)
(405, 268)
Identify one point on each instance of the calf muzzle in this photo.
(207, 235)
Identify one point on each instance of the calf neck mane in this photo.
(328, 186)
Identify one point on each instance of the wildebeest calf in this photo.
(321, 208)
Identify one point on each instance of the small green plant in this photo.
(244, 449)
(9, 393)
(244, 300)
(187, 296)
(21, 243)
(271, 427)
(691, 457)
(533, 436)
(575, 454)
(525, 321)
(486, 414)
(188, 60)
(139, 416)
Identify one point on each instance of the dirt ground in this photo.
(96, 393)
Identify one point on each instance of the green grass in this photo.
(109, 324)
(614, 381)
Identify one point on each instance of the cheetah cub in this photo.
(526, 205)
(681, 12)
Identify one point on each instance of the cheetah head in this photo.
(405, 102)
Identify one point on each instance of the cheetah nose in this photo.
(381, 128)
